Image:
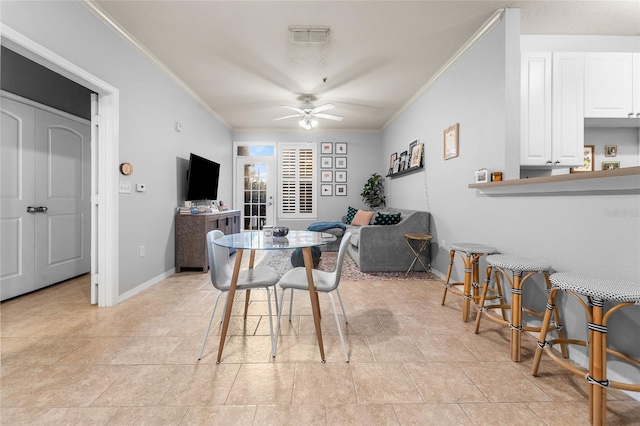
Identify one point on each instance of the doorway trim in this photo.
(105, 257)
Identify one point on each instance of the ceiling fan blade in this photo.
(298, 110)
(322, 108)
(288, 116)
(329, 116)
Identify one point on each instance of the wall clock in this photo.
(126, 169)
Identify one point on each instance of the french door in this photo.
(255, 191)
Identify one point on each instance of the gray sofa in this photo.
(383, 248)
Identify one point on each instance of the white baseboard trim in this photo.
(155, 280)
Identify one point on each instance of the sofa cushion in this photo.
(362, 218)
(351, 213)
(387, 218)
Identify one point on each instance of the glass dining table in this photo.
(255, 240)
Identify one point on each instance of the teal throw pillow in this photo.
(351, 213)
(387, 218)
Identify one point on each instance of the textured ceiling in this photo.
(237, 58)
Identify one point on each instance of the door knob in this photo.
(32, 209)
(42, 209)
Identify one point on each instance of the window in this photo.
(297, 187)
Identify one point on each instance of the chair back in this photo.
(341, 252)
(219, 266)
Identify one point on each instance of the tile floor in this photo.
(413, 362)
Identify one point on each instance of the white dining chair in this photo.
(221, 272)
(323, 282)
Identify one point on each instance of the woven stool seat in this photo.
(518, 263)
(601, 288)
(597, 290)
(472, 248)
(522, 268)
(471, 254)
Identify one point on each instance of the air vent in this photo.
(300, 34)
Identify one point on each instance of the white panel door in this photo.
(63, 186)
(17, 192)
(45, 190)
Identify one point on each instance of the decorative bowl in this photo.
(280, 231)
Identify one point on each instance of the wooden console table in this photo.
(191, 236)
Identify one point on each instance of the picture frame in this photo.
(451, 142)
(341, 190)
(326, 190)
(326, 176)
(403, 161)
(610, 165)
(482, 176)
(392, 160)
(588, 158)
(341, 148)
(326, 148)
(341, 162)
(611, 150)
(396, 165)
(326, 162)
(416, 156)
(411, 145)
(341, 176)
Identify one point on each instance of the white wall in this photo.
(150, 103)
(596, 233)
(363, 153)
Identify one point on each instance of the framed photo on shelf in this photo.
(341, 148)
(608, 165)
(396, 165)
(341, 162)
(411, 145)
(416, 156)
(341, 190)
(403, 160)
(392, 160)
(341, 176)
(587, 162)
(326, 190)
(611, 150)
(326, 162)
(326, 176)
(326, 148)
(451, 142)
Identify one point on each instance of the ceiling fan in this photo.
(309, 113)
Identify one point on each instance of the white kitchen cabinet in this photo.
(552, 109)
(612, 85)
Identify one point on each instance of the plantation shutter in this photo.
(297, 181)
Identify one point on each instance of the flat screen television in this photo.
(202, 179)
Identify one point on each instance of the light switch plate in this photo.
(125, 187)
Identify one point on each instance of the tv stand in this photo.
(191, 236)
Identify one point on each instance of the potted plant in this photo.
(373, 192)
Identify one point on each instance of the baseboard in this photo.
(155, 280)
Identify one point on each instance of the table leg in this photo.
(229, 307)
(252, 259)
(315, 305)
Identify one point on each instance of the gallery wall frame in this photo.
(341, 148)
(326, 162)
(587, 162)
(451, 142)
(326, 148)
(341, 176)
(326, 190)
(341, 190)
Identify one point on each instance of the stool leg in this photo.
(466, 293)
(475, 281)
(516, 316)
(452, 254)
(598, 365)
(487, 279)
(558, 321)
(542, 339)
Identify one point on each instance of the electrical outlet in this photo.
(143, 251)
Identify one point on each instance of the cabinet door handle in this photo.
(638, 115)
(630, 114)
(549, 161)
(556, 162)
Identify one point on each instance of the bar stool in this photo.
(597, 290)
(522, 268)
(471, 254)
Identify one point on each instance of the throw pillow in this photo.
(387, 218)
(351, 213)
(362, 218)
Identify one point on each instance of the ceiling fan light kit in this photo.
(308, 123)
(309, 113)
